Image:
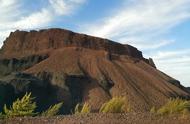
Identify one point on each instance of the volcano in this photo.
(60, 65)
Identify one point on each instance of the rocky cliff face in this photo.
(60, 65)
(22, 43)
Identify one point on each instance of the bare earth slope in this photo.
(88, 69)
(128, 118)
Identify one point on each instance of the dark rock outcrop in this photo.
(47, 88)
(6, 94)
(151, 62)
(17, 84)
(10, 65)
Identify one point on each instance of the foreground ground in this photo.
(129, 118)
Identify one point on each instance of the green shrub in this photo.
(52, 110)
(175, 106)
(82, 109)
(115, 105)
(21, 107)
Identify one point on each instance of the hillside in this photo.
(60, 65)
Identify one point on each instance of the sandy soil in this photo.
(129, 118)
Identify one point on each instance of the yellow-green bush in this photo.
(82, 109)
(115, 105)
(52, 110)
(175, 106)
(21, 107)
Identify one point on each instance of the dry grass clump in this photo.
(173, 106)
(82, 109)
(52, 110)
(26, 107)
(21, 107)
(115, 105)
(153, 110)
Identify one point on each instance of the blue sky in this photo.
(160, 28)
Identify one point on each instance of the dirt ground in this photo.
(129, 118)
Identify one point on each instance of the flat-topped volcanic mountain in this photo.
(60, 65)
(23, 43)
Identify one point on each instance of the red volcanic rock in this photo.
(22, 43)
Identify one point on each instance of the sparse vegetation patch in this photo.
(115, 105)
(173, 106)
(82, 109)
(52, 110)
(21, 107)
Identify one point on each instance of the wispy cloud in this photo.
(162, 55)
(12, 16)
(144, 44)
(65, 7)
(144, 23)
(175, 63)
(147, 18)
(34, 20)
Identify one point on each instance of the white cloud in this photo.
(142, 18)
(12, 16)
(144, 23)
(9, 12)
(174, 63)
(35, 20)
(144, 44)
(162, 55)
(155, 45)
(59, 6)
(65, 7)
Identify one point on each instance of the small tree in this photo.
(82, 109)
(52, 110)
(21, 107)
